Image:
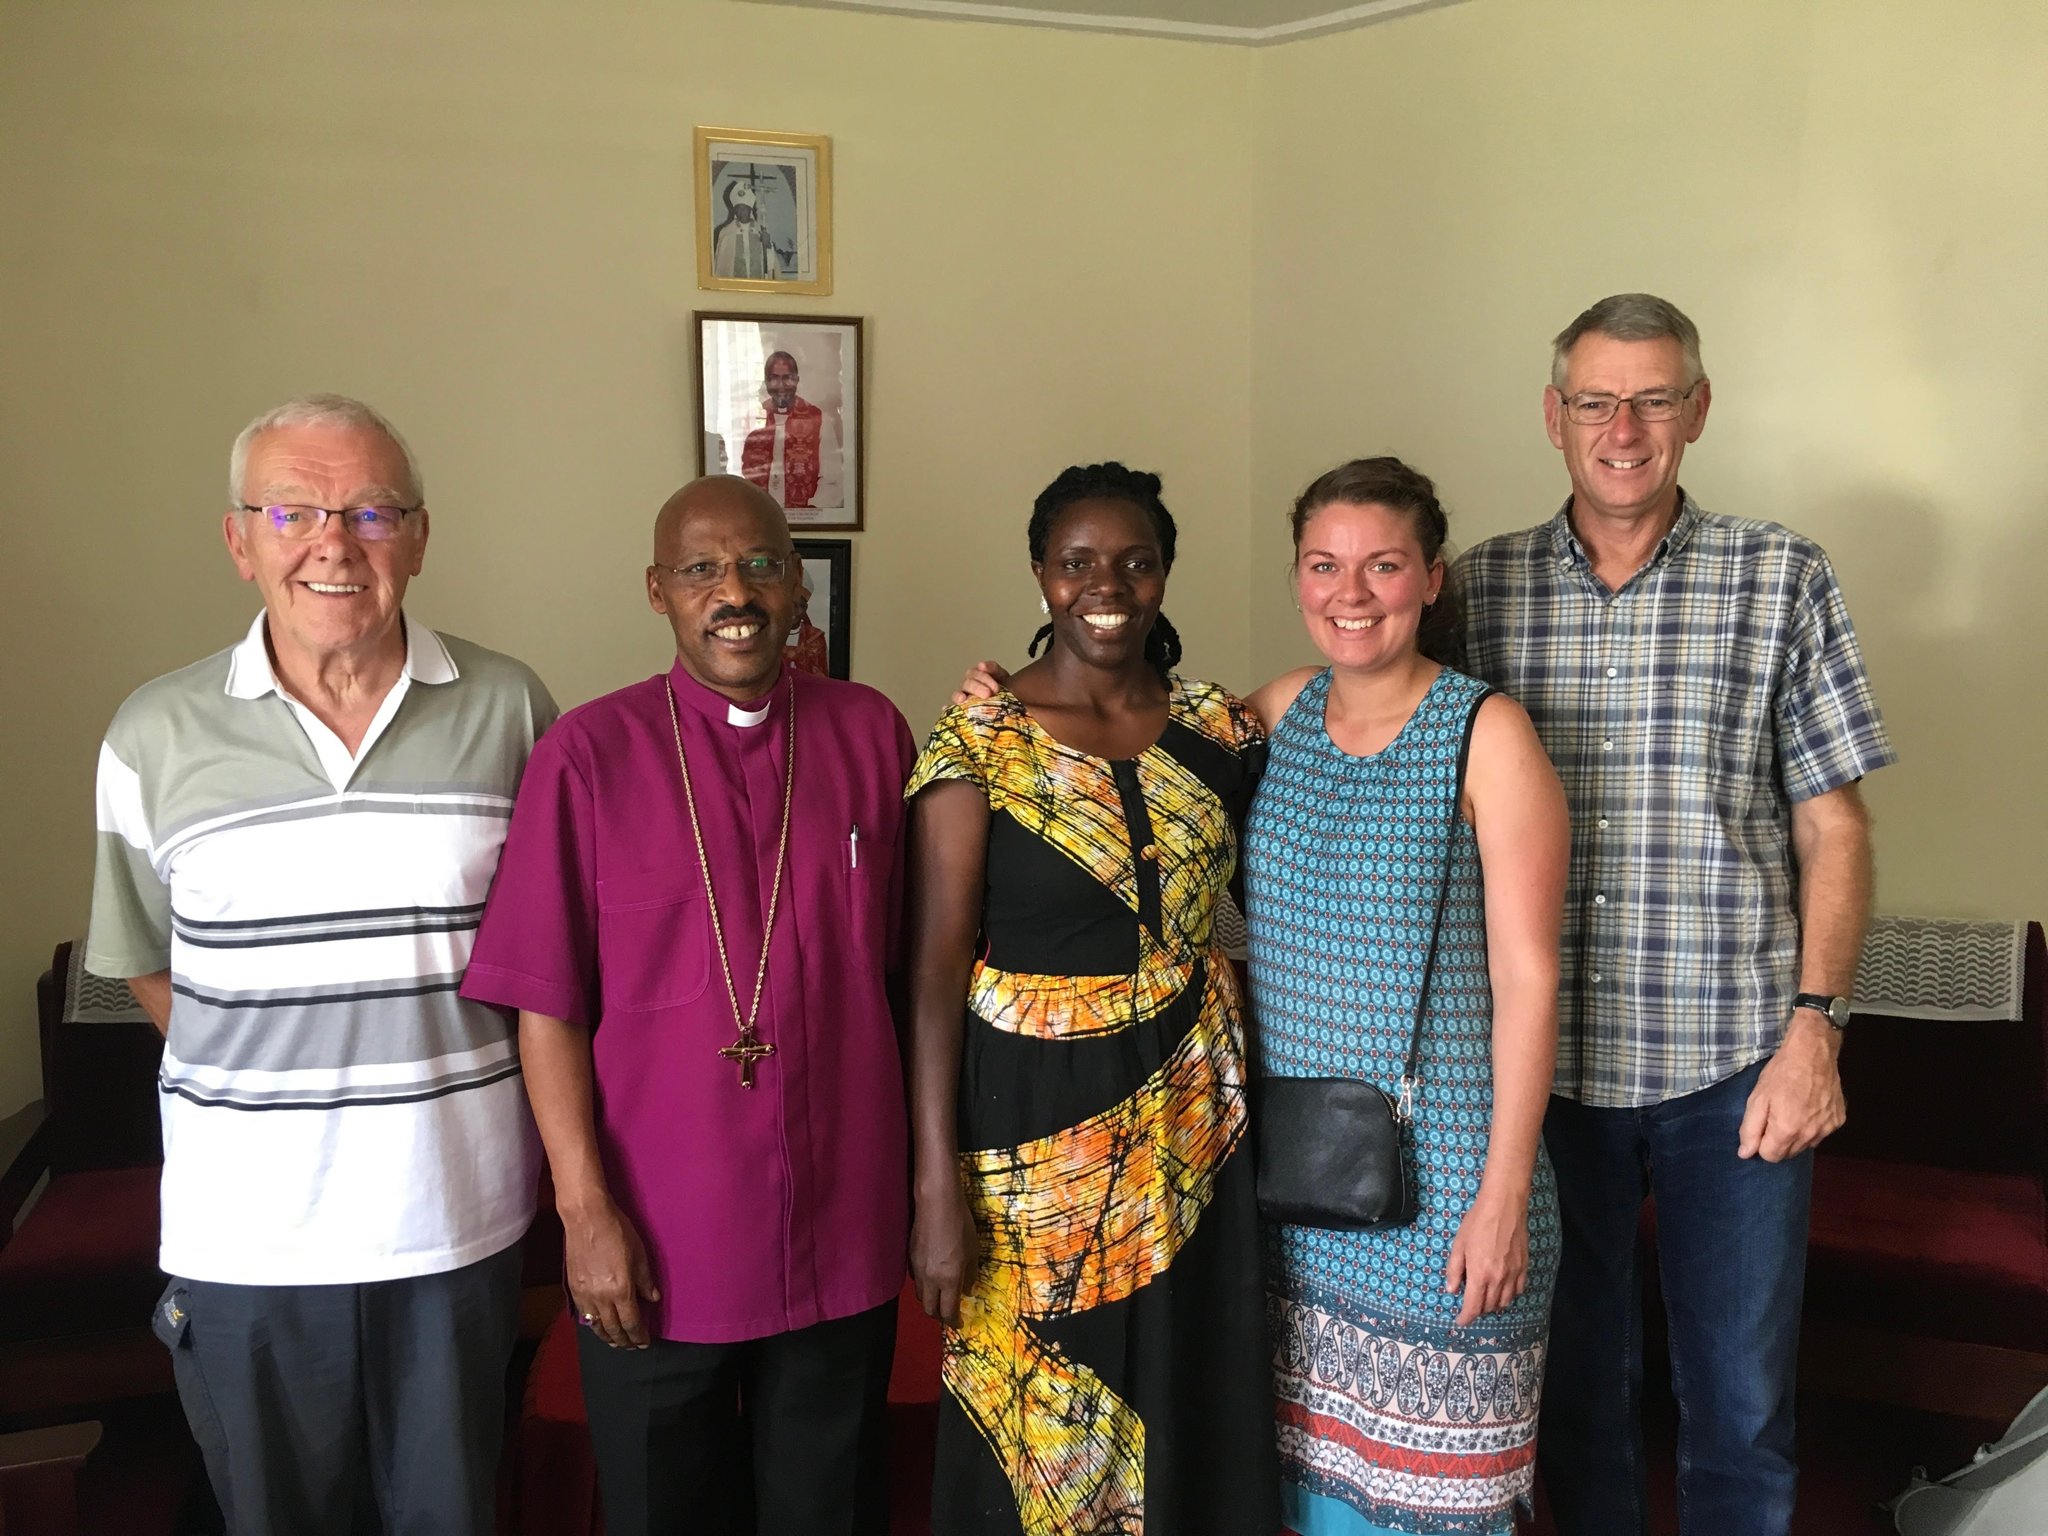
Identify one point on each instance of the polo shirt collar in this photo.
(250, 675)
(715, 706)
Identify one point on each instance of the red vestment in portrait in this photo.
(805, 424)
(808, 651)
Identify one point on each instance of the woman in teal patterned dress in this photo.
(1408, 1361)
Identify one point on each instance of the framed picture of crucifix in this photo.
(764, 211)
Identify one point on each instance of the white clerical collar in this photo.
(714, 707)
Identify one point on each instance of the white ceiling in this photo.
(1222, 21)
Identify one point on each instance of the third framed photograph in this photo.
(779, 402)
(764, 211)
(824, 617)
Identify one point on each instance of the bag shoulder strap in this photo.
(1405, 1110)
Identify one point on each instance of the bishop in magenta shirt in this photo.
(768, 1209)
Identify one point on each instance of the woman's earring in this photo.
(1044, 607)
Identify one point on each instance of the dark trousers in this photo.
(1731, 1259)
(813, 1404)
(332, 1410)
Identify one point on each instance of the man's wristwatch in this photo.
(1835, 1008)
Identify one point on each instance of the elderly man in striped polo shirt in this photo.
(1696, 679)
(296, 838)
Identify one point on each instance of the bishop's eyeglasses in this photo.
(755, 570)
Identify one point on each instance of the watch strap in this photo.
(1834, 1009)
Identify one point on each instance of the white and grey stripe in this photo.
(333, 1109)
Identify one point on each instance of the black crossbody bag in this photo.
(1332, 1151)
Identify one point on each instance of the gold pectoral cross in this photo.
(747, 1050)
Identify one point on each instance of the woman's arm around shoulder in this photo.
(1269, 701)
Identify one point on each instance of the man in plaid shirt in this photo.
(1698, 684)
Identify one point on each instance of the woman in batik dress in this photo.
(1408, 1361)
(1085, 1221)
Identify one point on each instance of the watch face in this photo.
(1838, 1011)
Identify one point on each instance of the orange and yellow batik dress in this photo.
(1111, 1372)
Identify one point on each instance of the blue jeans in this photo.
(1731, 1258)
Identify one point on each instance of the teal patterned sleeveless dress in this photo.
(1391, 1419)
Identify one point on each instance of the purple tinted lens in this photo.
(299, 522)
(375, 522)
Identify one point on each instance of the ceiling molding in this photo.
(1336, 20)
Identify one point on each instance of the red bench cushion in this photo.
(1930, 1251)
(85, 1260)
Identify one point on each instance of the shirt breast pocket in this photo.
(864, 865)
(654, 939)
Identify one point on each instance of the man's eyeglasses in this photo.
(755, 570)
(1650, 405)
(366, 523)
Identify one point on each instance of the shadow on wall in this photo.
(1953, 636)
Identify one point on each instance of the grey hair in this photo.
(318, 411)
(1630, 317)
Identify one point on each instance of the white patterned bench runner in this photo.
(1932, 968)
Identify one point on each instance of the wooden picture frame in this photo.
(825, 620)
(779, 403)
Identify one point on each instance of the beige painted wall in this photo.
(1233, 266)
(477, 216)
(1850, 198)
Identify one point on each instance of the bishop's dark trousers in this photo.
(782, 1436)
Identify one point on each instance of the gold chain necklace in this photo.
(749, 1047)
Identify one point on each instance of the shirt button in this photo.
(1603, 823)
(1596, 976)
(1600, 899)
(1614, 672)
(1607, 746)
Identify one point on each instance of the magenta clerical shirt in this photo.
(763, 1209)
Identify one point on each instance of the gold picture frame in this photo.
(764, 211)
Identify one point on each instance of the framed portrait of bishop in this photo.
(779, 403)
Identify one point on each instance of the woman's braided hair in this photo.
(1109, 482)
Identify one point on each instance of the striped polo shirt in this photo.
(332, 1110)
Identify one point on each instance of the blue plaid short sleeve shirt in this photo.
(1686, 713)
